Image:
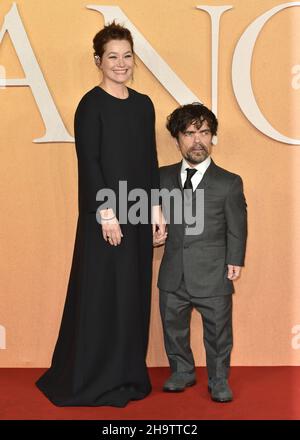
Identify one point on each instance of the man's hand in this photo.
(233, 272)
(158, 226)
(158, 239)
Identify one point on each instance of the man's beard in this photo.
(194, 158)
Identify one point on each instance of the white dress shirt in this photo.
(197, 177)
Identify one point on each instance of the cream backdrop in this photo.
(38, 192)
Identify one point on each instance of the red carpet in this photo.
(260, 393)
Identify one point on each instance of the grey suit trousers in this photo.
(216, 312)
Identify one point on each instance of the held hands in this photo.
(159, 238)
(111, 230)
(233, 272)
(158, 226)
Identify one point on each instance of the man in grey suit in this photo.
(197, 271)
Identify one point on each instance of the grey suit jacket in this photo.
(203, 258)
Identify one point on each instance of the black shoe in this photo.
(178, 382)
(219, 390)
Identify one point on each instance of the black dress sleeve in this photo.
(87, 128)
(153, 152)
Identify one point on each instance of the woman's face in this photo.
(117, 61)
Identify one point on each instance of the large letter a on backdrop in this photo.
(55, 129)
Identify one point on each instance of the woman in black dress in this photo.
(99, 358)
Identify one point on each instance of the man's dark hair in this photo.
(188, 114)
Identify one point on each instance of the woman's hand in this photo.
(111, 230)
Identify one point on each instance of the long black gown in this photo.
(99, 357)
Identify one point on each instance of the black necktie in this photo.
(190, 173)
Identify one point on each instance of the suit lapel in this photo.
(177, 176)
(207, 178)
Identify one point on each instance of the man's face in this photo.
(195, 143)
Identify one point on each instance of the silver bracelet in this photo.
(105, 219)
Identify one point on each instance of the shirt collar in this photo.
(202, 167)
